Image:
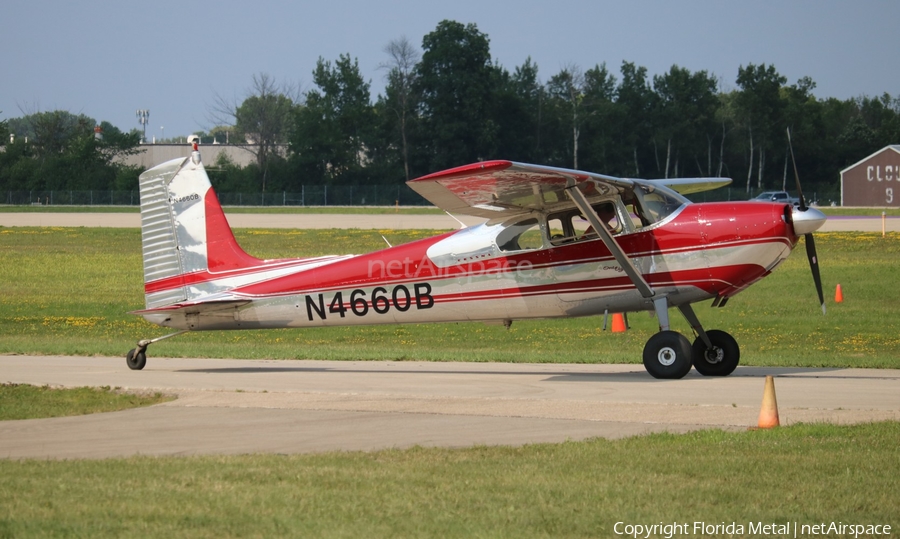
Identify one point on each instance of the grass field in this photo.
(22, 401)
(68, 291)
(806, 474)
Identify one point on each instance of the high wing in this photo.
(686, 186)
(499, 189)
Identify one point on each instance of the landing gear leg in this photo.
(137, 357)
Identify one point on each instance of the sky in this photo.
(107, 59)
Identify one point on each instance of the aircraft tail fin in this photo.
(185, 237)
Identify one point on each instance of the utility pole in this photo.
(143, 116)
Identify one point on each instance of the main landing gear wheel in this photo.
(721, 359)
(136, 359)
(667, 355)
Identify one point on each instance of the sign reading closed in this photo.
(874, 181)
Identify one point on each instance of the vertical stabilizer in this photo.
(185, 236)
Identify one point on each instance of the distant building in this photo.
(150, 155)
(874, 181)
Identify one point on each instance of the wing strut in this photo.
(642, 285)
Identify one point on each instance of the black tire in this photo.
(136, 359)
(667, 355)
(722, 359)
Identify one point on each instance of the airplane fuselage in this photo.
(700, 252)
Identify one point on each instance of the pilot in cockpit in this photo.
(606, 212)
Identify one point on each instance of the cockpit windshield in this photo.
(653, 203)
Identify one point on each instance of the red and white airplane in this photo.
(557, 243)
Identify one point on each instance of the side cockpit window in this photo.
(521, 236)
(571, 226)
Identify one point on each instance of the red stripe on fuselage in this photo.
(697, 227)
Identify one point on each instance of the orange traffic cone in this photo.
(768, 413)
(618, 323)
(838, 294)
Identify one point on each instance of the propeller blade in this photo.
(814, 266)
(796, 174)
(810, 242)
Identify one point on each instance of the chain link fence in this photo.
(309, 195)
(344, 195)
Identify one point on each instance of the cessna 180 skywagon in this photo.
(557, 243)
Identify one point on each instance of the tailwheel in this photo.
(721, 359)
(667, 355)
(136, 358)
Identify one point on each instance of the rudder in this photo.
(184, 233)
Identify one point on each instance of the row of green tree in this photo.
(58, 150)
(449, 104)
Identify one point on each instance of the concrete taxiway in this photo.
(262, 406)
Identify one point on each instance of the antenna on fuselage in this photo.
(461, 224)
